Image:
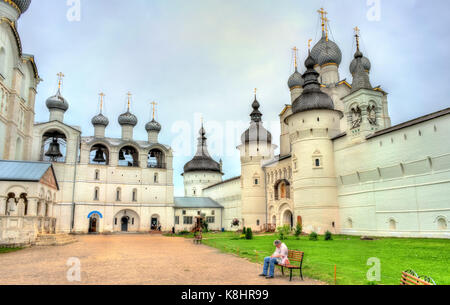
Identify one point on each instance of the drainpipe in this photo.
(74, 183)
(265, 195)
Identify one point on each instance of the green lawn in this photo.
(350, 254)
(7, 250)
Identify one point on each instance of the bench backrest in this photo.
(409, 279)
(295, 256)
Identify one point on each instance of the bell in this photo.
(99, 158)
(121, 156)
(53, 151)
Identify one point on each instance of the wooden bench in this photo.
(409, 277)
(294, 257)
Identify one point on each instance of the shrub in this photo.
(313, 236)
(328, 235)
(283, 232)
(244, 230)
(242, 236)
(298, 230)
(249, 234)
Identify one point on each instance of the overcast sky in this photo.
(204, 58)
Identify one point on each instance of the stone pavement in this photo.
(134, 259)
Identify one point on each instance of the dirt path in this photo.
(134, 259)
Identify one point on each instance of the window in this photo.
(177, 220)
(210, 219)
(199, 212)
(132, 221)
(118, 193)
(317, 162)
(392, 224)
(115, 221)
(256, 181)
(213, 212)
(3, 62)
(96, 194)
(194, 192)
(134, 195)
(155, 178)
(187, 220)
(97, 175)
(184, 212)
(257, 222)
(442, 223)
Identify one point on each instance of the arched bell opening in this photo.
(99, 155)
(156, 159)
(128, 157)
(54, 145)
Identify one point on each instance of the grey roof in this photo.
(100, 119)
(57, 101)
(196, 202)
(202, 161)
(22, 4)
(295, 80)
(256, 132)
(23, 170)
(312, 97)
(360, 76)
(332, 52)
(128, 118)
(153, 126)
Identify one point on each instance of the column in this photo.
(32, 207)
(2, 206)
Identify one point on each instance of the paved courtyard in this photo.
(133, 259)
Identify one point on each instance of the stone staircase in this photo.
(54, 240)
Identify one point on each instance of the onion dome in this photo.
(21, 5)
(365, 62)
(153, 126)
(57, 101)
(100, 120)
(326, 52)
(361, 78)
(202, 161)
(128, 118)
(312, 97)
(296, 80)
(256, 132)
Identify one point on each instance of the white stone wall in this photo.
(402, 177)
(228, 195)
(192, 212)
(195, 182)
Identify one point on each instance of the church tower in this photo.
(312, 125)
(100, 121)
(202, 171)
(365, 107)
(256, 148)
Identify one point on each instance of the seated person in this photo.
(279, 257)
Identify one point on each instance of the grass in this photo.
(8, 250)
(429, 257)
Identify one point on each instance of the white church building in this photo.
(341, 166)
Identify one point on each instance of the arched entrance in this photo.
(93, 224)
(124, 223)
(288, 218)
(155, 225)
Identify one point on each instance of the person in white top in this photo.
(279, 257)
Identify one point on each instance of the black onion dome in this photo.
(57, 101)
(361, 78)
(256, 132)
(128, 118)
(364, 60)
(326, 52)
(100, 120)
(23, 5)
(202, 161)
(295, 80)
(153, 126)
(312, 97)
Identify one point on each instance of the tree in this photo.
(249, 234)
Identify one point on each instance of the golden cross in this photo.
(309, 43)
(255, 91)
(326, 27)
(60, 78)
(102, 95)
(323, 14)
(357, 37)
(295, 56)
(154, 107)
(129, 99)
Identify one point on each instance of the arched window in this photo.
(129, 157)
(155, 178)
(118, 194)
(97, 175)
(350, 223)
(283, 190)
(54, 145)
(392, 224)
(156, 159)
(134, 199)
(317, 162)
(442, 223)
(99, 155)
(372, 114)
(96, 194)
(3, 102)
(19, 148)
